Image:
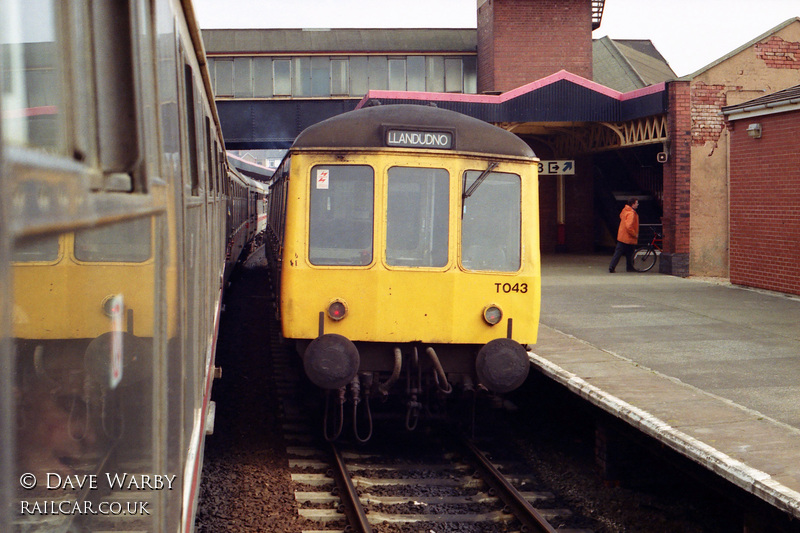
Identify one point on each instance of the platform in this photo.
(709, 369)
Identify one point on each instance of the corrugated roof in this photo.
(626, 65)
(786, 97)
(647, 60)
(340, 41)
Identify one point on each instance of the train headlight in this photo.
(337, 310)
(492, 314)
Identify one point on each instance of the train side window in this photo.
(128, 242)
(341, 215)
(31, 46)
(191, 129)
(490, 227)
(417, 231)
(114, 67)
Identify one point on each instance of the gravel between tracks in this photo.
(246, 486)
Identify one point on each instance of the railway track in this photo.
(450, 486)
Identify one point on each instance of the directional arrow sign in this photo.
(556, 167)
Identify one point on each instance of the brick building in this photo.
(766, 64)
(765, 191)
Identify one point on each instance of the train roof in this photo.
(251, 170)
(414, 126)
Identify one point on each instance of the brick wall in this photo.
(707, 119)
(777, 53)
(765, 203)
(677, 179)
(520, 41)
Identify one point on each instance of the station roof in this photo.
(626, 65)
(558, 98)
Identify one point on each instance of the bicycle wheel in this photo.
(644, 258)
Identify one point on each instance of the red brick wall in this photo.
(520, 41)
(486, 47)
(777, 53)
(677, 179)
(707, 119)
(765, 203)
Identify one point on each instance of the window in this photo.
(415, 68)
(223, 77)
(378, 71)
(341, 215)
(31, 76)
(320, 76)
(243, 81)
(127, 242)
(302, 77)
(42, 249)
(282, 77)
(453, 76)
(262, 77)
(359, 78)
(339, 77)
(490, 227)
(397, 74)
(417, 217)
(434, 78)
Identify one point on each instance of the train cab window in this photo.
(341, 215)
(127, 242)
(31, 76)
(490, 227)
(417, 217)
(35, 250)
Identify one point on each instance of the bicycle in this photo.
(644, 257)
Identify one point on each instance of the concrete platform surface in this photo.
(710, 369)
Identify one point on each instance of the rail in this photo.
(356, 516)
(516, 502)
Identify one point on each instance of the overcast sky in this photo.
(690, 34)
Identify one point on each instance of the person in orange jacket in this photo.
(627, 235)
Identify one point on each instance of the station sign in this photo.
(442, 140)
(556, 167)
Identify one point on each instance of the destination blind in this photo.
(441, 140)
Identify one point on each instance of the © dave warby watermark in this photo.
(61, 485)
(95, 481)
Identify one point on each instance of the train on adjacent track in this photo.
(120, 222)
(404, 244)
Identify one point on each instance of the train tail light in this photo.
(492, 314)
(502, 365)
(337, 310)
(331, 361)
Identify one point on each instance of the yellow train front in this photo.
(409, 255)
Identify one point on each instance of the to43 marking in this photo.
(507, 288)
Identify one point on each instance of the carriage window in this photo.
(341, 215)
(490, 228)
(125, 241)
(416, 219)
(31, 76)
